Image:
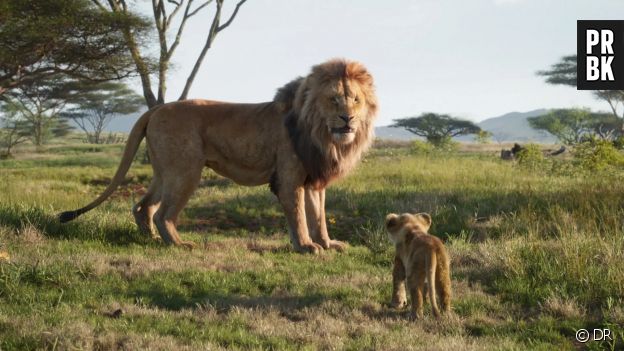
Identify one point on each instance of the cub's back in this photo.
(420, 244)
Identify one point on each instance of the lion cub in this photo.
(419, 257)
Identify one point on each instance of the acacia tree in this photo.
(165, 13)
(43, 38)
(96, 105)
(436, 128)
(572, 126)
(12, 131)
(38, 107)
(564, 73)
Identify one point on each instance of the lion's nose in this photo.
(346, 118)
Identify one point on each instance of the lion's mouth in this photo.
(343, 130)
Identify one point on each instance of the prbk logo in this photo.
(600, 55)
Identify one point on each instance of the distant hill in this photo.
(514, 126)
(509, 127)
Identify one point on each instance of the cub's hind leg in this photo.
(416, 284)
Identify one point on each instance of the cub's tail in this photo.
(132, 145)
(431, 282)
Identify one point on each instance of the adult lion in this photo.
(312, 133)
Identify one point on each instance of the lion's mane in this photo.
(323, 160)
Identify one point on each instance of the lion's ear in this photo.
(357, 71)
(425, 219)
(391, 220)
(301, 95)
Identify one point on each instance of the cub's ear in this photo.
(425, 217)
(391, 220)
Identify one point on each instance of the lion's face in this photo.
(329, 118)
(338, 101)
(343, 107)
(399, 225)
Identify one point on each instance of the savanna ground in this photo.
(536, 254)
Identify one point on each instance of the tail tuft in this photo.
(68, 216)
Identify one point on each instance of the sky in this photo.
(473, 59)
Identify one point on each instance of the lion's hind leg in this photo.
(144, 209)
(175, 193)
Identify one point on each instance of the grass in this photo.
(536, 255)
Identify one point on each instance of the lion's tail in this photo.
(132, 145)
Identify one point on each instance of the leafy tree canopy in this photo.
(571, 126)
(562, 72)
(95, 105)
(41, 38)
(436, 128)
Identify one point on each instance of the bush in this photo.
(531, 157)
(483, 137)
(597, 155)
(447, 145)
(618, 143)
(420, 147)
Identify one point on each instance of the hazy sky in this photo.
(470, 58)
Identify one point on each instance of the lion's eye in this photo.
(336, 100)
(356, 100)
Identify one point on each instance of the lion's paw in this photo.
(398, 303)
(312, 248)
(188, 245)
(338, 245)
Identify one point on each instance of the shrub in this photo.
(598, 155)
(483, 137)
(618, 142)
(531, 157)
(447, 145)
(420, 147)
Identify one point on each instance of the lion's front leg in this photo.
(293, 202)
(317, 225)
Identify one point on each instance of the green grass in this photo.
(536, 255)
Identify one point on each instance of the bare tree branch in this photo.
(207, 45)
(98, 4)
(214, 29)
(180, 30)
(175, 10)
(229, 21)
(200, 7)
